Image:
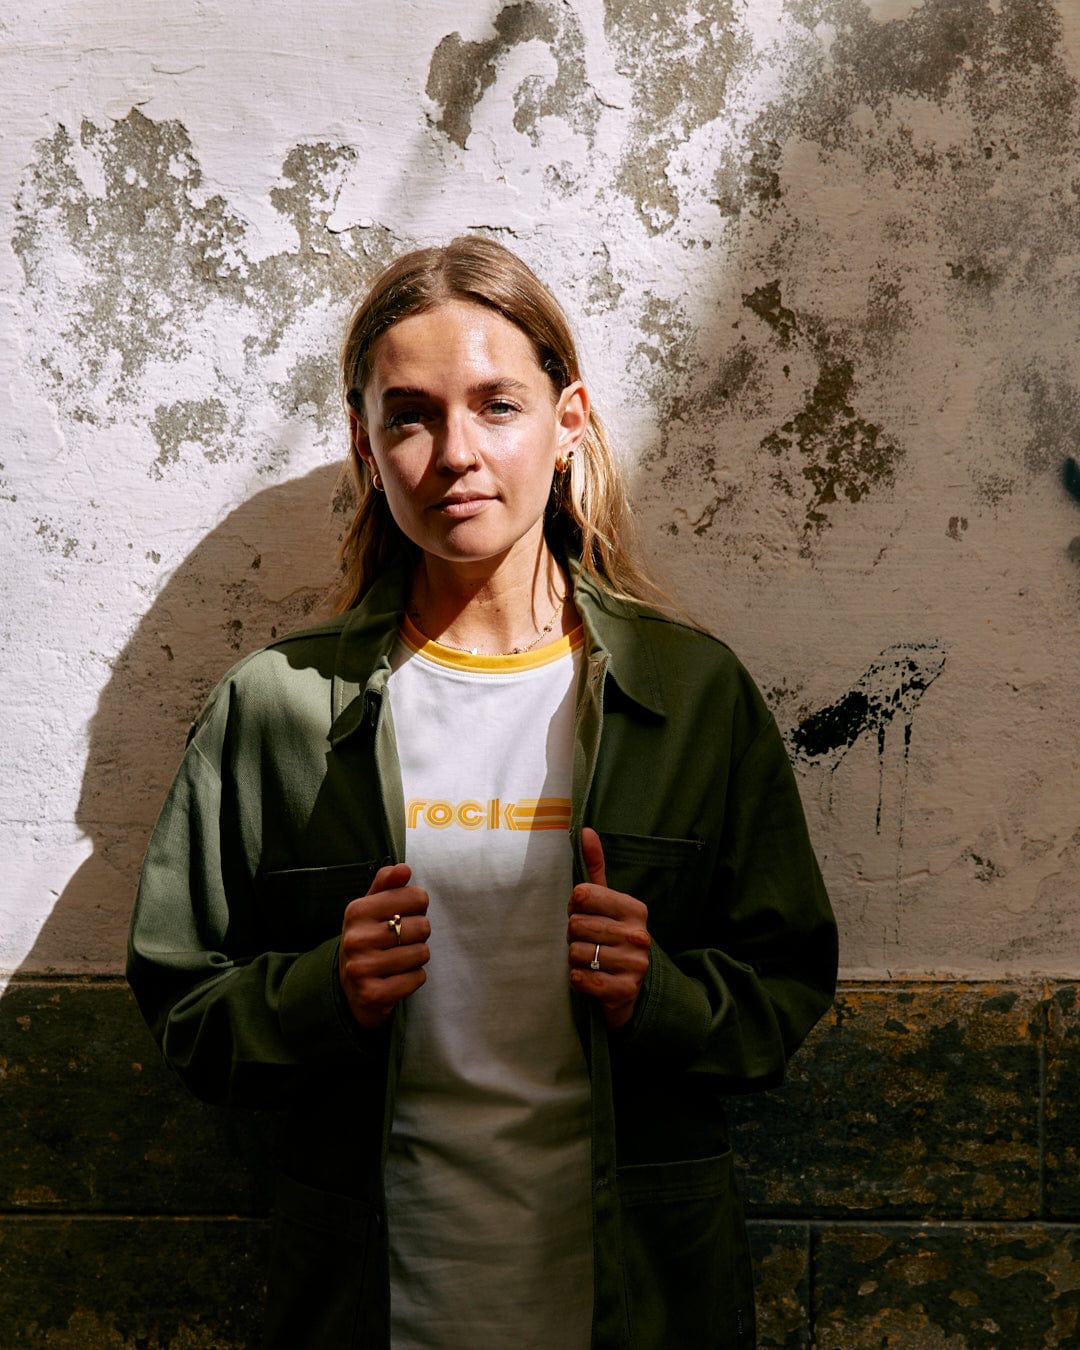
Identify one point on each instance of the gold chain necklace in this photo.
(414, 615)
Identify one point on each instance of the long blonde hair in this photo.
(587, 513)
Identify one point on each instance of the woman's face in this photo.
(464, 429)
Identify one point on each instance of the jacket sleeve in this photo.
(738, 1010)
(238, 1027)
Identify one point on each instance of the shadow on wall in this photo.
(261, 572)
(92, 1125)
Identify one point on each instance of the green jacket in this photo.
(286, 804)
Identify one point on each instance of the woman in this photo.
(497, 883)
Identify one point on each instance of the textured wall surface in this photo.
(823, 257)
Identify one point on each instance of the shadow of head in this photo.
(261, 572)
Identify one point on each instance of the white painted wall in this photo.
(823, 259)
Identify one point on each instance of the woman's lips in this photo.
(459, 507)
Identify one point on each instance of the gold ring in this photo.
(394, 925)
(594, 964)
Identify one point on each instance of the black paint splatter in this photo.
(893, 684)
(1070, 476)
(833, 728)
(891, 687)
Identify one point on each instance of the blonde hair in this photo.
(587, 513)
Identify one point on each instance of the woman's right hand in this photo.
(377, 965)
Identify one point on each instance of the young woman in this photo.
(497, 883)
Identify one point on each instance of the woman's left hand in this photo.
(609, 940)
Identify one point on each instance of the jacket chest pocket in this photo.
(670, 876)
(301, 907)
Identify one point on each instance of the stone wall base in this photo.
(913, 1186)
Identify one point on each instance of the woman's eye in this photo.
(403, 417)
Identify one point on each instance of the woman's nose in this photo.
(455, 448)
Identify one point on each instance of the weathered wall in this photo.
(824, 259)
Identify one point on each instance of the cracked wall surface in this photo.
(823, 260)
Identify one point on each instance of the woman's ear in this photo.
(359, 437)
(572, 414)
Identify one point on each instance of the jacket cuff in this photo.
(672, 1017)
(315, 1016)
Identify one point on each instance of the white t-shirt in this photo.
(488, 1176)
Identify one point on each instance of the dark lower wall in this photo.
(913, 1186)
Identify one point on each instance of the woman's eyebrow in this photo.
(500, 384)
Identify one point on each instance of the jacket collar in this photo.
(362, 661)
(621, 630)
(617, 635)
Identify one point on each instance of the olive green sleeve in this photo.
(739, 1010)
(237, 1028)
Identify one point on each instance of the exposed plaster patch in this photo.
(461, 73)
(201, 422)
(956, 527)
(664, 350)
(310, 391)
(765, 302)
(992, 56)
(1054, 411)
(680, 58)
(889, 312)
(604, 291)
(748, 176)
(132, 267)
(1034, 408)
(52, 540)
(735, 385)
(838, 454)
(1008, 97)
(245, 597)
(1033, 877)
(949, 112)
(993, 488)
(985, 869)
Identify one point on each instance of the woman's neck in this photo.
(492, 611)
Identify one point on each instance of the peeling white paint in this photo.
(793, 231)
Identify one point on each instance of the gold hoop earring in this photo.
(376, 481)
(564, 462)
